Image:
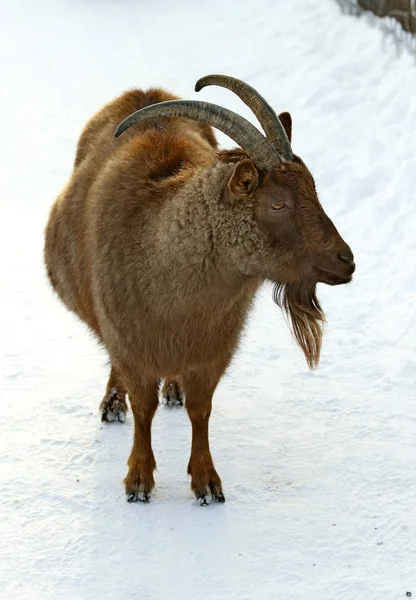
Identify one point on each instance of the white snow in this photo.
(318, 468)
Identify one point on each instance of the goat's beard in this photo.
(305, 317)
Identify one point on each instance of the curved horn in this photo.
(258, 148)
(265, 114)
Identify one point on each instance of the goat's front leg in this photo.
(199, 389)
(139, 481)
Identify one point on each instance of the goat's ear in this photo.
(243, 181)
(286, 121)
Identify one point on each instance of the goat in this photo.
(160, 241)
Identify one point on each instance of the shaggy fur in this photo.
(306, 317)
(159, 243)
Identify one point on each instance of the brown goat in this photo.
(159, 243)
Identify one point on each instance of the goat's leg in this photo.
(199, 388)
(172, 391)
(113, 406)
(139, 481)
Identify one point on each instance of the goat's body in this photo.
(125, 249)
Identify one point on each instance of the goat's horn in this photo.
(258, 148)
(265, 114)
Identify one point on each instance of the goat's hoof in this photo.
(113, 407)
(137, 493)
(172, 394)
(210, 494)
(219, 497)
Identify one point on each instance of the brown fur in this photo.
(159, 242)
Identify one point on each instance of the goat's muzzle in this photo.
(337, 269)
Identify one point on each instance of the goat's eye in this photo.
(278, 206)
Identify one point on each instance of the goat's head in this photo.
(296, 245)
(299, 241)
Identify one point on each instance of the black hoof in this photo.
(172, 395)
(113, 407)
(206, 497)
(219, 497)
(108, 416)
(138, 496)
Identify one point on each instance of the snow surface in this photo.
(318, 468)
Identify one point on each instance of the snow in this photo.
(318, 468)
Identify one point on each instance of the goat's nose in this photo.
(348, 258)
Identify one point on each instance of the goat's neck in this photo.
(193, 237)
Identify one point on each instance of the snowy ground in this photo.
(318, 468)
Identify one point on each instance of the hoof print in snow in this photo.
(172, 394)
(113, 407)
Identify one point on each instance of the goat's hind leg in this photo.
(113, 406)
(172, 391)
